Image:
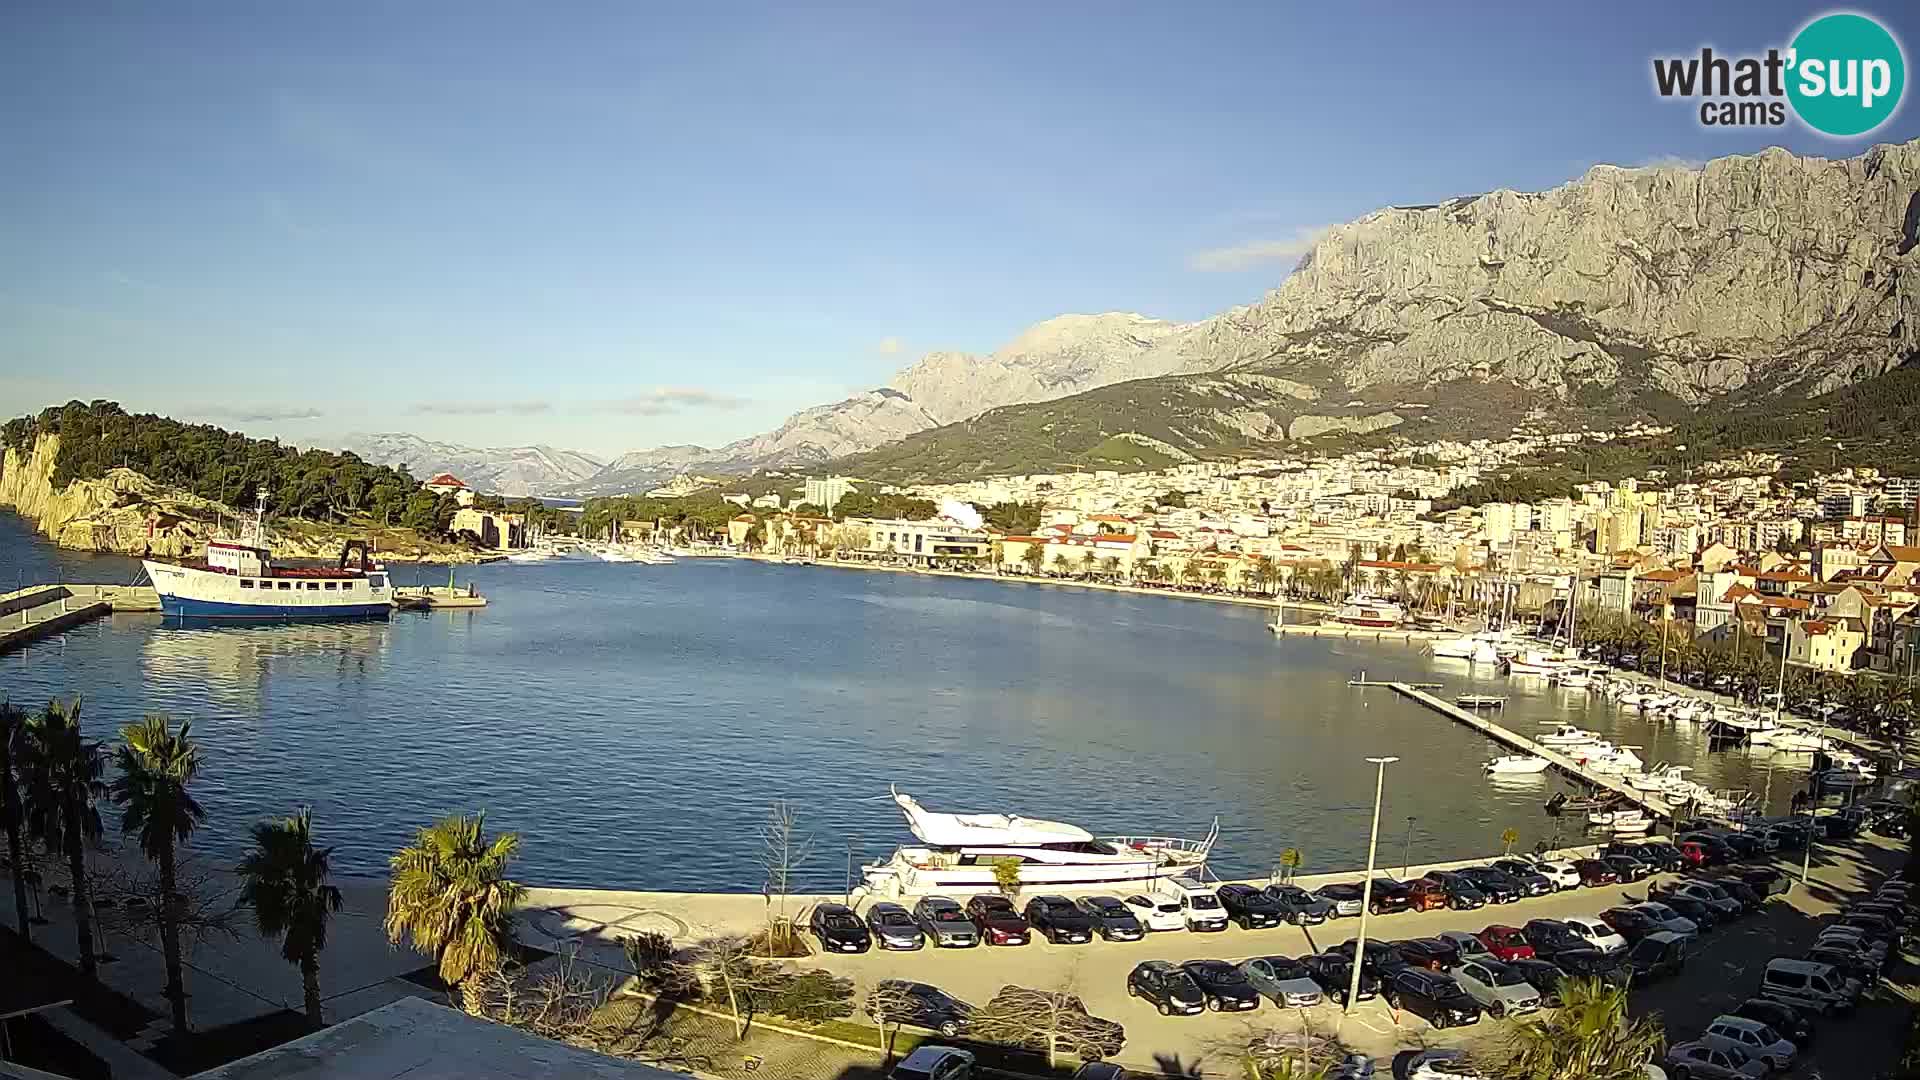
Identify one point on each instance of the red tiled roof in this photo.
(1791, 603)
(1813, 627)
(1782, 575)
(1902, 553)
(1163, 534)
(1736, 593)
(445, 479)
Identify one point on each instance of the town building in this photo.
(494, 529)
(826, 494)
(449, 484)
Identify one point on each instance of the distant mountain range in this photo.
(509, 470)
(1628, 293)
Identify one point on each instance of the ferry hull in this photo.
(185, 608)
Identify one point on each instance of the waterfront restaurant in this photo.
(924, 541)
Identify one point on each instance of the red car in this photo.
(1593, 873)
(1426, 894)
(1505, 943)
(1695, 855)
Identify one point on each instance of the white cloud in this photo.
(260, 414)
(480, 408)
(666, 400)
(1671, 161)
(889, 345)
(1254, 252)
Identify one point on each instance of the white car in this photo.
(934, 1063)
(1497, 987)
(1669, 920)
(1156, 912)
(1470, 947)
(1757, 1039)
(1442, 1064)
(1595, 933)
(1562, 874)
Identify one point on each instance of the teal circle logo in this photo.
(1847, 75)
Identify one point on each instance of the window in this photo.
(284, 586)
(245, 584)
(313, 586)
(331, 585)
(349, 584)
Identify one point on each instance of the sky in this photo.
(605, 226)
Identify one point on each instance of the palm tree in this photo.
(60, 773)
(157, 765)
(12, 729)
(1590, 1037)
(1110, 566)
(284, 881)
(451, 899)
(1147, 570)
(1034, 556)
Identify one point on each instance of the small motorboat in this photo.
(1620, 822)
(1574, 680)
(1480, 701)
(1517, 765)
(1797, 742)
(1567, 735)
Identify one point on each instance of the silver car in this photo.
(945, 923)
(1283, 979)
(1757, 1039)
(1496, 986)
(893, 928)
(1668, 919)
(1469, 947)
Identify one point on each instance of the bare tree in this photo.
(129, 900)
(889, 1002)
(1050, 1019)
(781, 852)
(727, 965)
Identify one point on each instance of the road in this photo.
(1724, 970)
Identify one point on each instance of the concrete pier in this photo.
(1365, 633)
(1651, 803)
(32, 613)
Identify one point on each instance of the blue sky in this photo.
(608, 226)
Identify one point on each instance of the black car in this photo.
(1059, 920)
(1744, 846)
(1749, 898)
(1345, 897)
(838, 929)
(1595, 873)
(1717, 850)
(1532, 881)
(1433, 997)
(1630, 923)
(1543, 976)
(1225, 985)
(1764, 880)
(1252, 908)
(1876, 926)
(1626, 868)
(1852, 963)
(1167, 988)
(1704, 916)
(1656, 955)
(1550, 937)
(1298, 906)
(1590, 963)
(1076, 1031)
(1462, 894)
(1382, 957)
(1431, 953)
(1894, 913)
(1497, 887)
(1390, 896)
(897, 1001)
(1111, 918)
(1660, 854)
(1792, 1024)
(1334, 973)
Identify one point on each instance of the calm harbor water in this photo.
(634, 722)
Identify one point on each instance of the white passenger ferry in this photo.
(961, 849)
(237, 580)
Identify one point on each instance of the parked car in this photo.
(1668, 919)
(1704, 892)
(1344, 896)
(946, 924)
(1389, 896)
(1462, 894)
(1506, 943)
(1225, 985)
(1444, 1063)
(1779, 1016)
(1469, 946)
(1498, 988)
(1433, 997)
(1544, 976)
(1810, 985)
(1426, 894)
(1431, 953)
(1532, 881)
(1592, 964)
(1630, 923)
(1551, 936)
(1156, 912)
(838, 930)
(1560, 872)
(1718, 851)
(934, 1063)
(1166, 987)
(1626, 868)
(1382, 957)
(1300, 907)
(996, 920)
(1199, 908)
(1333, 973)
(1112, 919)
(1059, 920)
(1285, 981)
(892, 926)
(897, 1001)
(1497, 887)
(1252, 908)
(1876, 926)
(1839, 935)
(1764, 880)
(1855, 964)
(1744, 846)
(1703, 917)
(1656, 955)
(1758, 1040)
(1699, 1061)
(1596, 934)
(1660, 854)
(1749, 898)
(1594, 873)
(1091, 1037)
(1695, 853)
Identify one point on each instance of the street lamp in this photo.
(1366, 888)
(1406, 853)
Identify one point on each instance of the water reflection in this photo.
(236, 663)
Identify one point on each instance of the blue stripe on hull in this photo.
(209, 609)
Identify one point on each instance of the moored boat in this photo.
(238, 580)
(1517, 765)
(1361, 609)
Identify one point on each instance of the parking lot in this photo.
(1723, 970)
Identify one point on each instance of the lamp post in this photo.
(1406, 853)
(1366, 888)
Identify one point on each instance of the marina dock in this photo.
(36, 611)
(1365, 633)
(1652, 804)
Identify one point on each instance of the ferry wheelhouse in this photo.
(238, 580)
(960, 851)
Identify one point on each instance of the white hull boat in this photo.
(1461, 648)
(1798, 742)
(1369, 611)
(961, 850)
(1517, 765)
(1567, 735)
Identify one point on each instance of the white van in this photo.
(1808, 985)
(1199, 908)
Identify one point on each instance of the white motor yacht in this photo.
(961, 850)
(1517, 765)
(1798, 742)
(1620, 822)
(1460, 648)
(1622, 762)
(1567, 735)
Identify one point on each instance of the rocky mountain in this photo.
(509, 470)
(1623, 293)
